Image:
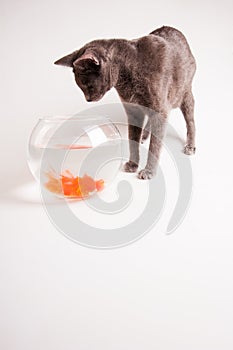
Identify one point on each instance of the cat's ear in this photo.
(68, 59)
(87, 58)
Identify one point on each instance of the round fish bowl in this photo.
(75, 157)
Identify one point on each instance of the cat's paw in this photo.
(189, 150)
(145, 174)
(130, 167)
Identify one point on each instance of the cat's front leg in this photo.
(135, 123)
(157, 122)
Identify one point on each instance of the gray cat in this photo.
(154, 71)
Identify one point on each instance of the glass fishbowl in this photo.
(75, 157)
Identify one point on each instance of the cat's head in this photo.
(91, 71)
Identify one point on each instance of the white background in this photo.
(164, 292)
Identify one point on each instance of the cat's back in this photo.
(170, 34)
(175, 40)
(166, 46)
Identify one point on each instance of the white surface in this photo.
(164, 292)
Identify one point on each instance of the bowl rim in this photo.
(76, 117)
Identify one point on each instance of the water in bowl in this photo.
(76, 170)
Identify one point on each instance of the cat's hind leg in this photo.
(146, 131)
(187, 108)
